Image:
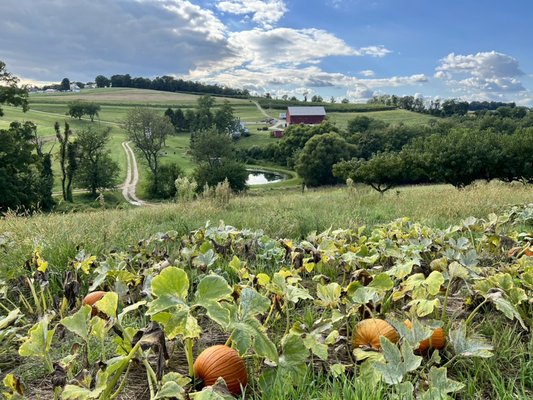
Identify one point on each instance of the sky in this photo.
(464, 49)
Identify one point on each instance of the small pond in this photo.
(256, 177)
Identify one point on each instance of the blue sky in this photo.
(474, 50)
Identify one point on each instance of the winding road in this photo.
(132, 178)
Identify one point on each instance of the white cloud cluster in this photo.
(180, 38)
(264, 12)
(486, 74)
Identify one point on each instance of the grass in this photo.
(287, 213)
(391, 117)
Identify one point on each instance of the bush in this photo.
(211, 175)
(168, 173)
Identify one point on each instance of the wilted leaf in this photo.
(108, 304)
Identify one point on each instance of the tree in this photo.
(224, 120)
(25, 176)
(148, 131)
(76, 109)
(317, 158)
(215, 154)
(101, 81)
(96, 169)
(382, 172)
(10, 93)
(168, 173)
(65, 85)
(67, 160)
(91, 109)
(204, 116)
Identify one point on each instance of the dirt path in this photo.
(132, 178)
(277, 124)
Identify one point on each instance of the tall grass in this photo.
(291, 214)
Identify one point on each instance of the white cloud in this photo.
(265, 12)
(485, 74)
(368, 73)
(79, 39)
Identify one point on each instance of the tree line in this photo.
(167, 84)
(448, 107)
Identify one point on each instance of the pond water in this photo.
(263, 177)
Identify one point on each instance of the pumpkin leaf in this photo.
(108, 304)
(398, 362)
(457, 271)
(212, 288)
(468, 347)
(10, 318)
(338, 370)
(496, 297)
(404, 391)
(440, 385)
(251, 303)
(317, 348)
(328, 295)
(78, 323)
(39, 341)
(171, 287)
(382, 282)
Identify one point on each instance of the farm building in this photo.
(305, 115)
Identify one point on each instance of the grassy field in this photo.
(391, 117)
(287, 213)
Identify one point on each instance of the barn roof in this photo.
(306, 111)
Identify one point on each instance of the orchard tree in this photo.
(317, 158)
(96, 169)
(148, 131)
(382, 172)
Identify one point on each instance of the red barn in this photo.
(305, 115)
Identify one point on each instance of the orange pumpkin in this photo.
(437, 340)
(92, 298)
(368, 331)
(221, 361)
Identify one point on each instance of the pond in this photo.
(256, 177)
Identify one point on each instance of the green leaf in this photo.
(364, 295)
(433, 283)
(205, 259)
(99, 328)
(171, 287)
(108, 304)
(170, 390)
(405, 391)
(73, 392)
(382, 282)
(468, 347)
(505, 307)
(221, 315)
(424, 307)
(212, 288)
(318, 349)
(129, 309)
(457, 271)
(294, 294)
(329, 295)
(39, 340)
(78, 323)
(398, 362)
(440, 385)
(252, 303)
(338, 370)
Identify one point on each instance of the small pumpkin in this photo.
(92, 298)
(368, 331)
(221, 361)
(437, 340)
